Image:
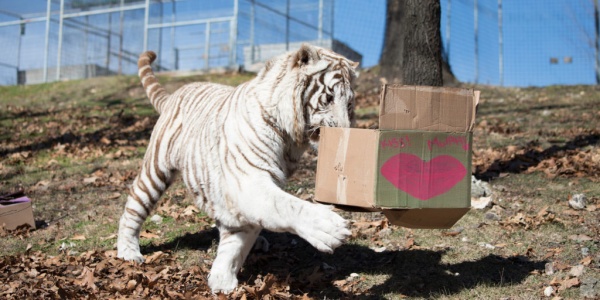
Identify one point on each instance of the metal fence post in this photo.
(287, 26)
(234, 33)
(597, 30)
(476, 29)
(121, 21)
(448, 28)
(332, 18)
(60, 38)
(252, 8)
(206, 44)
(47, 39)
(500, 44)
(173, 34)
(320, 30)
(146, 17)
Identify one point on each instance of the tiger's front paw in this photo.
(129, 253)
(222, 281)
(323, 228)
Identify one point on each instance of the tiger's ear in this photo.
(306, 55)
(354, 64)
(307, 58)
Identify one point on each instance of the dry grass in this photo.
(75, 146)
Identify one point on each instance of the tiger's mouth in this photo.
(315, 135)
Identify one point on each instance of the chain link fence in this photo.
(495, 42)
(521, 43)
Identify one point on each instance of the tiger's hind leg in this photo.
(145, 191)
(234, 246)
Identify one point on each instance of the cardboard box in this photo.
(16, 212)
(416, 168)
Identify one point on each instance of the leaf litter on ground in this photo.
(69, 154)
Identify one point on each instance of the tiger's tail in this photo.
(156, 93)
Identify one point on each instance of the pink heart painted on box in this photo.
(421, 179)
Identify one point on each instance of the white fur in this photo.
(236, 173)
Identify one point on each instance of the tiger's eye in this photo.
(329, 99)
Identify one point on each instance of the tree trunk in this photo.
(412, 52)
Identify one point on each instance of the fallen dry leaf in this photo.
(43, 183)
(306, 297)
(89, 180)
(580, 237)
(78, 237)
(569, 283)
(110, 237)
(105, 141)
(451, 232)
(190, 210)
(555, 281)
(586, 261)
(87, 279)
(114, 196)
(154, 257)
(148, 235)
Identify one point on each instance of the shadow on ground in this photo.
(532, 157)
(414, 273)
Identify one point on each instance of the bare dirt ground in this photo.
(75, 146)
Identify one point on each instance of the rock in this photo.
(576, 271)
(548, 291)
(585, 251)
(492, 216)
(590, 288)
(261, 244)
(379, 249)
(549, 268)
(578, 201)
(487, 245)
(327, 267)
(481, 202)
(480, 188)
(156, 219)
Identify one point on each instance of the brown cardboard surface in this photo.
(427, 108)
(347, 166)
(426, 218)
(425, 130)
(17, 214)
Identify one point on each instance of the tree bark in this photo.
(412, 52)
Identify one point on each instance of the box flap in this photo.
(427, 218)
(346, 166)
(427, 108)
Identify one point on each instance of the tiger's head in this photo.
(303, 90)
(325, 87)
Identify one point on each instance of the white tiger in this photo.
(235, 147)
